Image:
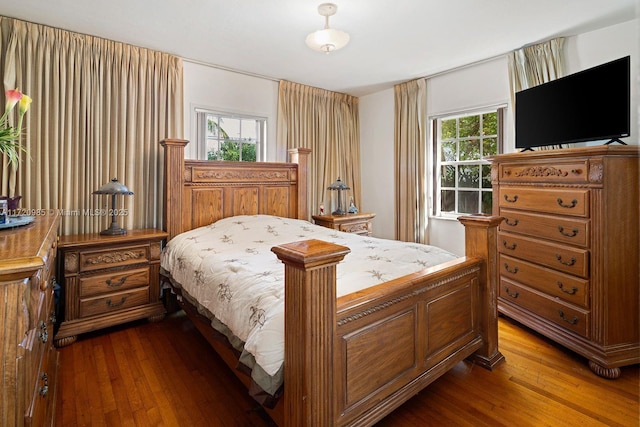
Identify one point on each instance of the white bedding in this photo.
(228, 267)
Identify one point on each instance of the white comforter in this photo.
(228, 267)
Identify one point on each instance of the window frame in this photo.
(200, 117)
(436, 173)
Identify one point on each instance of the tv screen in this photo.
(589, 105)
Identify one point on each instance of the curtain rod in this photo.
(233, 70)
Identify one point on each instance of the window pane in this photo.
(486, 202)
(448, 129)
(448, 178)
(470, 149)
(486, 176)
(248, 129)
(449, 151)
(469, 176)
(489, 146)
(469, 126)
(448, 201)
(490, 123)
(468, 202)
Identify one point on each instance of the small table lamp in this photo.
(113, 188)
(339, 186)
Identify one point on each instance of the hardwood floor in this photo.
(166, 374)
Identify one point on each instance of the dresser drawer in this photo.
(112, 281)
(552, 309)
(564, 286)
(558, 257)
(114, 302)
(41, 405)
(561, 229)
(574, 202)
(562, 172)
(107, 258)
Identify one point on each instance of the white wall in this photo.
(475, 86)
(221, 90)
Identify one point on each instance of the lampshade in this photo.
(328, 39)
(114, 188)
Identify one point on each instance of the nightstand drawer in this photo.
(107, 258)
(113, 281)
(114, 302)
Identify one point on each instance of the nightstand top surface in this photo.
(96, 239)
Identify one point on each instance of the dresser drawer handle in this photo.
(117, 284)
(44, 390)
(116, 304)
(514, 271)
(573, 233)
(573, 204)
(571, 322)
(515, 198)
(571, 291)
(512, 295)
(43, 335)
(569, 263)
(513, 224)
(510, 247)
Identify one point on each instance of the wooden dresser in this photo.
(568, 248)
(109, 280)
(29, 359)
(358, 223)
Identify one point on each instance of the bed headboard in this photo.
(199, 192)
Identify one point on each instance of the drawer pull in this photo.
(573, 233)
(513, 224)
(43, 335)
(510, 247)
(571, 291)
(571, 322)
(515, 198)
(514, 271)
(573, 204)
(116, 304)
(512, 295)
(44, 390)
(117, 284)
(569, 263)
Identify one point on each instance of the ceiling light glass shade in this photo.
(327, 40)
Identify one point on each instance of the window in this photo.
(223, 136)
(462, 176)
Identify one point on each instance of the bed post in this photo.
(301, 157)
(481, 236)
(173, 177)
(310, 331)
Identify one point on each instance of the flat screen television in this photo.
(590, 105)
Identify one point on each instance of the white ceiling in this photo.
(391, 40)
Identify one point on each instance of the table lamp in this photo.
(113, 188)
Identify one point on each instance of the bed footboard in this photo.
(353, 360)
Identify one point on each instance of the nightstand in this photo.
(108, 280)
(359, 223)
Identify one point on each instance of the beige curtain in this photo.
(410, 139)
(327, 123)
(533, 65)
(99, 109)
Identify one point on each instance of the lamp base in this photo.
(113, 231)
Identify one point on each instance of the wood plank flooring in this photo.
(165, 374)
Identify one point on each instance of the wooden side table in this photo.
(359, 223)
(108, 280)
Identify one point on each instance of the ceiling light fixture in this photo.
(328, 39)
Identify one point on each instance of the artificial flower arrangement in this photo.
(9, 136)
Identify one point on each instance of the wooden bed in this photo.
(354, 359)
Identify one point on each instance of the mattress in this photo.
(228, 271)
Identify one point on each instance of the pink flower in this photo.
(13, 96)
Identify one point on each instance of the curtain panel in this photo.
(99, 109)
(327, 123)
(410, 159)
